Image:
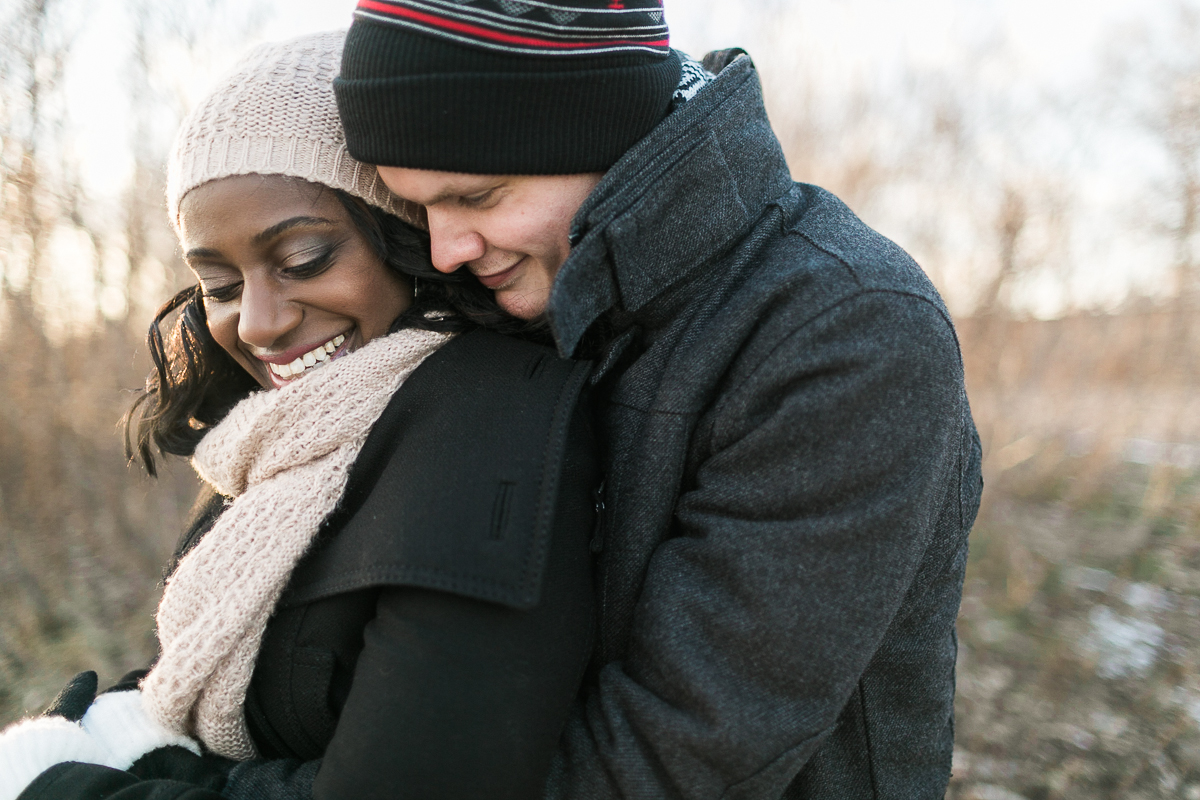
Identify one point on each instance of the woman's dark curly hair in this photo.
(194, 382)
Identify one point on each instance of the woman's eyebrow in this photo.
(201, 252)
(265, 235)
(288, 224)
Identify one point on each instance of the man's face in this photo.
(510, 231)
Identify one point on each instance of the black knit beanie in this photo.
(527, 87)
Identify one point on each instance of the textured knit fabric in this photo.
(31, 746)
(284, 456)
(547, 28)
(120, 722)
(414, 93)
(692, 78)
(792, 472)
(275, 114)
(114, 732)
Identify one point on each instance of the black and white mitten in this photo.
(31, 746)
(119, 722)
(113, 730)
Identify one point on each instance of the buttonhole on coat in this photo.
(535, 367)
(504, 493)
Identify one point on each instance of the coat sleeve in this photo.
(75, 781)
(820, 475)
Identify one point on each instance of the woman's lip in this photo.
(291, 354)
(275, 380)
(496, 279)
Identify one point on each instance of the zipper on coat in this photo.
(598, 529)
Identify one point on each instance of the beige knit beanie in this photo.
(275, 114)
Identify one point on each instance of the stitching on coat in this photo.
(515, 591)
(496, 590)
(854, 273)
(862, 707)
(737, 786)
(729, 395)
(944, 314)
(550, 477)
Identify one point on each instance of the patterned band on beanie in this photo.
(531, 27)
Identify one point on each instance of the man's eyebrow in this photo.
(456, 191)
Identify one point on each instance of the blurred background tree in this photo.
(1056, 207)
(82, 537)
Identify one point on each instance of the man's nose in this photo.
(452, 241)
(266, 313)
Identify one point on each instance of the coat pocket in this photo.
(312, 674)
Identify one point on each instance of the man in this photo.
(792, 469)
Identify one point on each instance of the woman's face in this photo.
(289, 282)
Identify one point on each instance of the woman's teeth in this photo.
(313, 358)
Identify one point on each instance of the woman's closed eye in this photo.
(221, 294)
(310, 262)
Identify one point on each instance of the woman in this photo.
(386, 591)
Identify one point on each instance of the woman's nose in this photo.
(266, 314)
(453, 241)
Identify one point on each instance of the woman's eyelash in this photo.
(221, 294)
(321, 259)
(314, 265)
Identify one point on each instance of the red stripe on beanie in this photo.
(473, 30)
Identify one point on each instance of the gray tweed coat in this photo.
(792, 472)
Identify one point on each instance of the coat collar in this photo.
(676, 200)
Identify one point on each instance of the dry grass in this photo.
(1079, 645)
(83, 536)
(1078, 639)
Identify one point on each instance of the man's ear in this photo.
(718, 60)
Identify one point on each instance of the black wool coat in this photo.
(431, 643)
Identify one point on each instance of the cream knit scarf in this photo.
(284, 457)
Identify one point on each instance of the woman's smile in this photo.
(284, 370)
